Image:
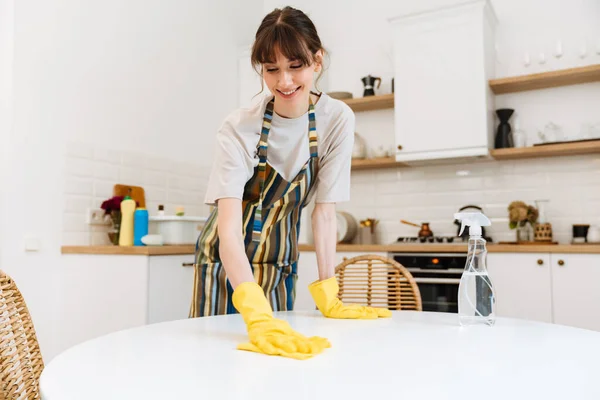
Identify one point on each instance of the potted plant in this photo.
(522, 217)
(112, 207)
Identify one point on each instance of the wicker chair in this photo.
(377, 281)
(21, 361)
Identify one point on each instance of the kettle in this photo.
(465, 234)
(369, 83)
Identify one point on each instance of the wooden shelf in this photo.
(370, 103)
(376, 163)
(543, 80)
(548, 150)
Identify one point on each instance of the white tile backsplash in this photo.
(91, 173)
(434, 193)
(418, 194)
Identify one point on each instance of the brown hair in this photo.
(292, 33)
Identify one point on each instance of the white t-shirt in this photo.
(288, 149)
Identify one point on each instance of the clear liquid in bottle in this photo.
(476, 299)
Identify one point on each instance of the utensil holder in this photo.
(542, 232)
(367, 235)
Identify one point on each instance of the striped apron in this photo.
(271, 209)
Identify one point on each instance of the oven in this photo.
(437, 275)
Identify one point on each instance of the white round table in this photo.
(413, 355)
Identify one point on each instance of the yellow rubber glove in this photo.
(269, 335)
(325, 294)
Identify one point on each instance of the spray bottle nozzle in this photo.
(475, 220)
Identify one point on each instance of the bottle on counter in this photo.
(140, 225)
(476, 297)
(127, 210)
(161, 210)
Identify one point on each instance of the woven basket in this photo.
(21, 361)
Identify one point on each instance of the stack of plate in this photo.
(347, 227)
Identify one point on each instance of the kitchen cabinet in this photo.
(101, 294)
(170, 284)
(443, 60)
(576, 290)
(522, 285)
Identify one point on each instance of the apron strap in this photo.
(262, 158)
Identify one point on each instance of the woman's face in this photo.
(290, 82)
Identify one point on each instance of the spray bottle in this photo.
(476, 299)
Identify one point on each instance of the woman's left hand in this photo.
(325, 295)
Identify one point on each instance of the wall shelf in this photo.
(543, 80)
(376, 163)
(548, 150)
(370, 103)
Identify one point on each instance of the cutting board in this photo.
(137, 193)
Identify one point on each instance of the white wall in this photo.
(358, 38)
(149, 81)
(6, 96)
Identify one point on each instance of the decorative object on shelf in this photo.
(379, 152)
(112, 207)
(359, 151)
(552, 133)
(593, 235)
(542, 232)
(542, 228)
(504, 137)
(369, 84)
(580, 232)
(519, 135)
(367, 231)
(522, 217)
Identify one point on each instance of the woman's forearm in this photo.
(325, 237)
(231, 242)
(234, 259)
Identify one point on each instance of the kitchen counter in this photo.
(133, 250)
(462, 247)
(378, 248)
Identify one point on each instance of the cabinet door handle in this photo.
(187, 264)
(399, 147)
(561, 262)
(540, 261)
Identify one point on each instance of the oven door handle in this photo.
(448, 281)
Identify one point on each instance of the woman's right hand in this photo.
(269, 335)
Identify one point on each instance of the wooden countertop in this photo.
(462, 247)
(133, 250)
(379, 248)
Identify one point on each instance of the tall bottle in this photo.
(476, 297)
(140, 225)
(127, 210)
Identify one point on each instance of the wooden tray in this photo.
(137, 193)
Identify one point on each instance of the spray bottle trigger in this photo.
(462, 227)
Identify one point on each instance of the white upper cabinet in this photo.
(442, 62)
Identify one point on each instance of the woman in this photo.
(246, 258)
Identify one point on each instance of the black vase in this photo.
(504, 136)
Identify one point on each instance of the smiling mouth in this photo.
(290, 92)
